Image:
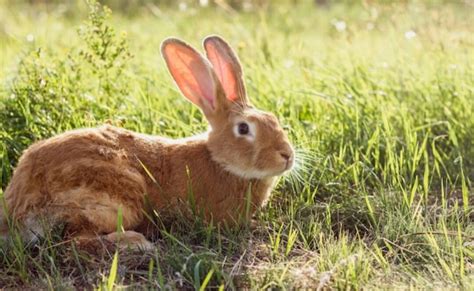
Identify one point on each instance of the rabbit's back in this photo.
(81, 178)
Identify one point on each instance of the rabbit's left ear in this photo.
(192, 73)
(227, 68)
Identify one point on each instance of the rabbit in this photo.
(83, 178)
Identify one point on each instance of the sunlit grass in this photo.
(378, 101)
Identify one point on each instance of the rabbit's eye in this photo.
(243, 128)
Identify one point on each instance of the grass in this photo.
(378, 100)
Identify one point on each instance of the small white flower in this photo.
(30, 38)
(247, 6)
(183, 6)
(410, 34)
(340, 25)
(289, 63)
(89, 97)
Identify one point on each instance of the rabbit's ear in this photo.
(227, 67)
(192, 73)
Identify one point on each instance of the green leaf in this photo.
(113, 273)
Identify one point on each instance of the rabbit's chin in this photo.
(253, 173)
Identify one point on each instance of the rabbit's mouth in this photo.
(289, 164)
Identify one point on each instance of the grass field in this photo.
(378, 100)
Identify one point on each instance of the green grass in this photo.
(381, 114)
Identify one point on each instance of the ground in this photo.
(377, 97)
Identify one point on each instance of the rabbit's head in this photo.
(244, 140)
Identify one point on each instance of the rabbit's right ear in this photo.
(192, 73)
(227, 66)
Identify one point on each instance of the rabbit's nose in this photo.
(285, 155)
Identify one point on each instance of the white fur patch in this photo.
(249, 174)
(197, 137)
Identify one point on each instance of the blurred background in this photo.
(376, 95)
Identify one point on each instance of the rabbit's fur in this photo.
(83, 178)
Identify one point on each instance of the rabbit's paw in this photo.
(131, 240)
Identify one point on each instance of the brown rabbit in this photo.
(83, 178)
